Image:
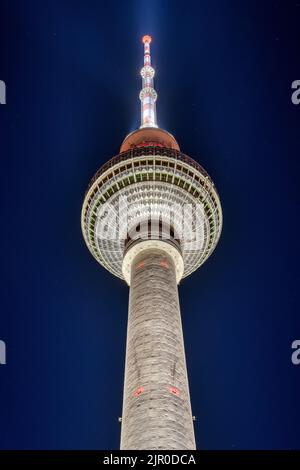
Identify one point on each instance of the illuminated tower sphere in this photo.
(151, 216)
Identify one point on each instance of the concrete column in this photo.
(156, 403)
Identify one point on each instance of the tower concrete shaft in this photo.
(156, 404)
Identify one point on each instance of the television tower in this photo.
(152, 216)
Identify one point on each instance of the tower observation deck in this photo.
(151, 216)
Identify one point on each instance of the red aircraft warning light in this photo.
(138, 392)
(164, 263)
(140, 265)
(147, 38)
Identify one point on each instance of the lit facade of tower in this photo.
(151, 216)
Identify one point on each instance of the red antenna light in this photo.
(146, 38)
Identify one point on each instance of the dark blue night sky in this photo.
(223, 74)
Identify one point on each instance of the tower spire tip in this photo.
(148, 94)
(146, 38)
